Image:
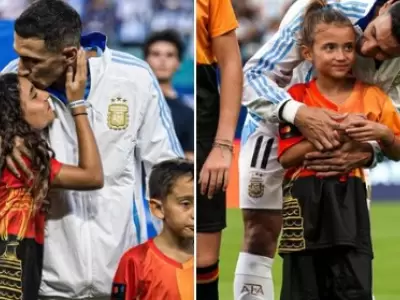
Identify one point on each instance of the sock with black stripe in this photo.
(207, 282)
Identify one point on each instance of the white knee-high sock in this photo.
(253, 278)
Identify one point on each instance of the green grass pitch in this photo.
(386, 238)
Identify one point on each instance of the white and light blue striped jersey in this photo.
(88, 231)
(270, 71)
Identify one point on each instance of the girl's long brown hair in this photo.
(13, 125)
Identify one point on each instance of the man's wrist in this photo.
(288, 110)
(388, 139)
(376, 154)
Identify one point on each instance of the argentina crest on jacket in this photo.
(118, 114)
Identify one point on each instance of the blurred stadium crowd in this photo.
(133, 26)
(259, 20)
(127, 23)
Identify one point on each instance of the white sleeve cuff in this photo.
(290, 110)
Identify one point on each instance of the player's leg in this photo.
(253, 274)
(260, 187)
(210, 221)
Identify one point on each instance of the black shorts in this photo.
(211, 213)
(331, 274)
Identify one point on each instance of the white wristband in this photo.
(76, 103)
(290, 109)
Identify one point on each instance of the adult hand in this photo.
(319, 126)
(347, 123)
(350, 119)
(350, 155)
(15, 162)
(215, 172)
(385, 7)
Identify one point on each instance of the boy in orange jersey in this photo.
(162, 268)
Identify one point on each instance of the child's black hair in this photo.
(165, 174)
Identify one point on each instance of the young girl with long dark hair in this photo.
(25, 113)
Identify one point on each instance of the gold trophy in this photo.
(292, 238)
(10, 273)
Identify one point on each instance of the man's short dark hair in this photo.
(53, 21)
(394, 12)
(168, 35)
(165, 174)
